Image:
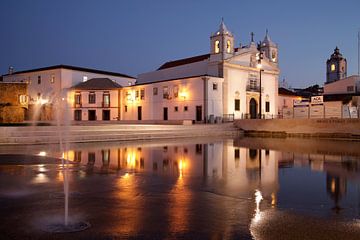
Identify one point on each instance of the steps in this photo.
(111, 132)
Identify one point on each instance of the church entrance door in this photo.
(253, 108)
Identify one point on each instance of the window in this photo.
(105, 157)
(23, 99)
(185, 108)
(85, 78)
(176, 109)
(106, 99)
(142, 94)
(198, 148)
(77, 115)
(137, 94)
(38, 96)
(92, 97)
(350, 88)
(52, 78)
(273, 56)
(217, 46)
(155, 91)
(237, 104)
(236, 153)
(125, 108)
(39, 79)
(91, 158)
(228, 46)
(77, 98)
(215, 86)
(333, 68)
(165, 92)
(176, 91)
(77, 156)
(267, 106)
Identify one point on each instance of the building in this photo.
(229, 82)
(336, 67)
(225, 82)
(286, 100)
(47, 85)
(13, 102)
(95, 99)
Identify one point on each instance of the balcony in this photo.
(77, 105)
(251, 88)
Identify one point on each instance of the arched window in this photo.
(228, 46)
(333, 68)
(217, 46)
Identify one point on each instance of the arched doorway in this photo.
(253, 108)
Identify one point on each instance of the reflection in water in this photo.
(258, 199)
(204, 184)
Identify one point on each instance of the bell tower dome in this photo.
(221, 43)
(336, 67)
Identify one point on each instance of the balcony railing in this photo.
(77, 105)
(250, 88)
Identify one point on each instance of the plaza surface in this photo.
(195, 188)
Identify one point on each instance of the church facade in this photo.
(241, 82)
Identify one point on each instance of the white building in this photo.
(45, 85)
(228, 73)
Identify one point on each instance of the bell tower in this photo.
(270, 49)
(336, 67)
(221, 44)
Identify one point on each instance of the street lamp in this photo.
(259, 66)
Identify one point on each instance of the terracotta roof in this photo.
(184, 61)
(97, 84)
(284, 91)
(74, 68)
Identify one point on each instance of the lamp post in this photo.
(259, 66)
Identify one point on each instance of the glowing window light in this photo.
(217, 46)
(42, 154)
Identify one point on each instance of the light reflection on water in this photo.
(224, 184)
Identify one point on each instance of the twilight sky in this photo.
(133, 36)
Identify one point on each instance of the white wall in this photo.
(341, 86)
(153, 105)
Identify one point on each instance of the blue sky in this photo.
(135, 36)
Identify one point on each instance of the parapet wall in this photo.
(305, 127)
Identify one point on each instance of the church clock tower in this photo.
(336, 67)
(221, 44)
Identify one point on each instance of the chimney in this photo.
(11, 70)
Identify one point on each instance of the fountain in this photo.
(64, 225)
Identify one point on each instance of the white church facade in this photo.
(226, 82)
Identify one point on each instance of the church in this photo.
(229, 82)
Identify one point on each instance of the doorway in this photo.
(253, 108)
(198, 113)
(92, 115)
(139, 113)
(106, 115)
(165, 113)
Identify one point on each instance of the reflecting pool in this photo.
(244, 188)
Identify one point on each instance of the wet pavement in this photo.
(182, 189)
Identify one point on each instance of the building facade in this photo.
(48, 85)
(249, 75)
